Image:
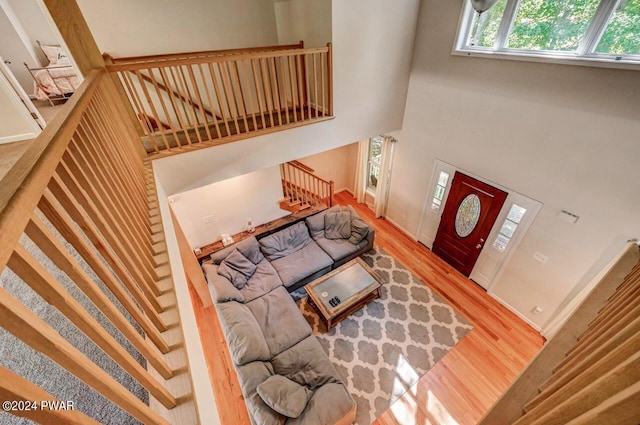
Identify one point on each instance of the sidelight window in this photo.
(509, 227)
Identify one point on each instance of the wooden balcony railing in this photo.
(208, 98)
(302, 188)
(81, 195)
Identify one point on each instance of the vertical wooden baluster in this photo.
(203, 110)
(35, 332)
(152, 108)
(47, 242)
(192, 109)
(222, 102)
(176, 108)
(284, 87)
(307, 83)
(330, 78)
(299, 76)
(210, 98)
(154, 82)
(276, 89)
(324, 90)
(258, 91)
(293, 90)
(247, 82)
(266, 82)
(142, 116)
(183, 101)
(151, 322)
(241, 95)
(224, 71)
(315, 84)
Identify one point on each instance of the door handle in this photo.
(481, 240)
(479, 246)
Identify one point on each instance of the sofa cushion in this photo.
(244, 336)
(263, 281)
(307, 364)
(285, 241)
(250, 376)
(300, 264)
(280, 321)
(316, 222)
(337, 225)
(343, 408)
(337, 248)
(250, 248)
(237, 268)
(221, 289)
(284, 396)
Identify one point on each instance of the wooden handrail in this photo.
(214, 59)
(206, 53)
(303, 166)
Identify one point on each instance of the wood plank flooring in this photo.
(459, 389)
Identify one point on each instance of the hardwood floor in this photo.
(459, 389)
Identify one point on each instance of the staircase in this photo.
(302, 189)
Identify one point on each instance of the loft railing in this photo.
(302, 188)
(81, 195)
(208, 98)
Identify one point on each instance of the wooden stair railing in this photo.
(215, 97)
(82, 190)
(302, 189)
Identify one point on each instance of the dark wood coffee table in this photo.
(354, 283)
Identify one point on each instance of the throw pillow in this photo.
(284, 396)
(250, 248)
(337, 225)
(237, 268)
(359, 230)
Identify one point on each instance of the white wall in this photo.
(308, 20)
(13, 49)
(232, 203)
(36, 26)
(142, 27)
(373, 43)
(15, 122)
(336, 164)
(564, 135)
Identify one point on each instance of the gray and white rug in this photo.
(384, 348)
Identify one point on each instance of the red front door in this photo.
(471, 209)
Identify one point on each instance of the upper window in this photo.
(375, 156)
(594, 30)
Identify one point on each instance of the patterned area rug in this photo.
(383, 349)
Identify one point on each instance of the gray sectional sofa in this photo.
(285, 375)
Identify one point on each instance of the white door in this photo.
(22, 96)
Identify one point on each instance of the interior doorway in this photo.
(469, 215)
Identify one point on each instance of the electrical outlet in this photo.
(538, 256)
(207, 219)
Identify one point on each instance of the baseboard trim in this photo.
(344, 189)
(18, 138)
(402, 229)
(515, 311)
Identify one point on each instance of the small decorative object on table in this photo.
(250, 227)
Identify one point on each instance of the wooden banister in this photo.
(87, 179)
(220, 96)
(301, 187)
(207, 53)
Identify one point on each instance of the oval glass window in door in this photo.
(467, 215)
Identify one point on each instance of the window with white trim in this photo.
(509, 227)
(606, 31)
(438, 194)
(374, 162)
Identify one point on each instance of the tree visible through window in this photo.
(603, 30)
